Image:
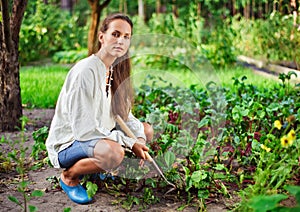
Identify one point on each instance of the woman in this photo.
(83, 137)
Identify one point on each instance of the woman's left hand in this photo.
(139, 148)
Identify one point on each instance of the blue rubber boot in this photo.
(76, 193)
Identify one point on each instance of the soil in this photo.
(54, 199)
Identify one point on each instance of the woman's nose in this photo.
(120, 40)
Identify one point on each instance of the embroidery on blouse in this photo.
(109, 79)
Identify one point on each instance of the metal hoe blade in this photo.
(163, 176)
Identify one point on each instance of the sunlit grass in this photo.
(261, 81)
(40, 85)
(185, 77)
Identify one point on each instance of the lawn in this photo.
(40, 85)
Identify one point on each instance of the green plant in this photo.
(285, 79)
(39, 146)
(91, 188)
(233, 125)
(69, 57)
(275, 155)
(21, 169)
(271, 39)
(49, 29)
(39, 151)
(67, 209)
(6, 160)
(130, 200)
(54, 181)
(149, 197)
(220, 50)
(271, 203)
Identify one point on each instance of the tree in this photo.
(10, 92)
(123, 6)
(294, 11)
(67, 5)
(97, 9)
(141, 9)
(158, 6)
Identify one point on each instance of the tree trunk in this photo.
(294, 11)
(158, 6)
(10, 92)
(260, 10)
(267, 8)
(141, 9)
(199, 10)
(253, 10)
(233, 8)
(247, 10)
(93, 45)
(174, 8)
(121, 5)
(67, 5)
(125, 7)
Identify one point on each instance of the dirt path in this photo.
(55, 199)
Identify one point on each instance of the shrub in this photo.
(274, 38)
(46, 30)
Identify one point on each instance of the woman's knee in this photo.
(148, 130)
(109, 153)
(117, 155)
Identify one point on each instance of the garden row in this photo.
(243, 140)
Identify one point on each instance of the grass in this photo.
(187, 77)
(40, 85)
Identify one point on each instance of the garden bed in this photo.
(54, 199)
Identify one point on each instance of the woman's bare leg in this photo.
(107, 155)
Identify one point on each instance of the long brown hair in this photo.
(122, 91)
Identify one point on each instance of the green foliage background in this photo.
(220, 37)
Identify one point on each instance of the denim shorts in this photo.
(75, 152)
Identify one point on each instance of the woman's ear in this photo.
(100, 37)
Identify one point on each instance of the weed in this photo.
(21, 168)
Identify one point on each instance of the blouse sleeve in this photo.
(135, 126)
(82, 113)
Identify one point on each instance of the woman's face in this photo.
(116, 40)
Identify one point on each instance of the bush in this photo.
(275, 38)
(221, 51)
(71, 56)
(46, 30)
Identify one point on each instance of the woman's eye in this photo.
(127, 37)
(116, 34)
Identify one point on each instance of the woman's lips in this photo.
(118, 48)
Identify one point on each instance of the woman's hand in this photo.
(139, 148)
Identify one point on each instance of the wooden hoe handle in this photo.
(130, 134)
